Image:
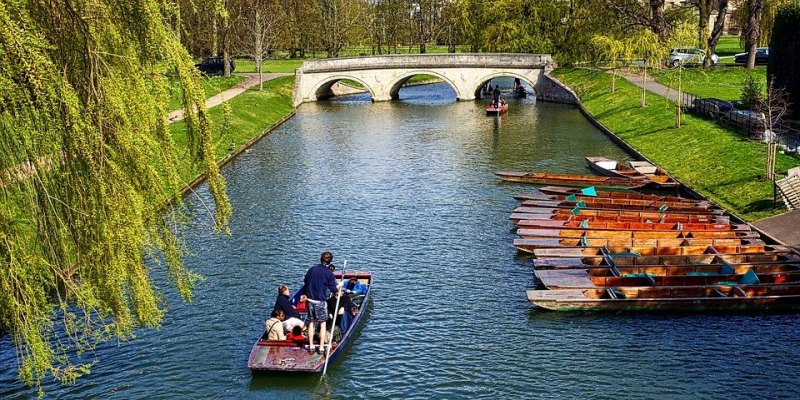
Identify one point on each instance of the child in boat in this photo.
(353, 286)
(296, 335)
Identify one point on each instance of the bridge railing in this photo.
(460, 60)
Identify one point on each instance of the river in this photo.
(407, 190)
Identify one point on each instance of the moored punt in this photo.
(770, 267)
(571, 180)
(622, 252)
(611, 200)
(630, 226)
(529, 245)
(566, 191)
(532, 233)
(665, 298)
(655, 174)
(577, 278)
(288, 356)
(608, 167)
(623, 217)
(664, 260)
(602, 205)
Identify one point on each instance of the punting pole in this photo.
(333, 327)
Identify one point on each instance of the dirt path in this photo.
(251, 79)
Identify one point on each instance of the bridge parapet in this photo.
(457, 60)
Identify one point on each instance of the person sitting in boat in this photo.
(353, 286)
(318, 281)
(348, 317)
(283, 303)
(275, 326)
(296, 335)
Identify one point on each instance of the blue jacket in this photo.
(358, 288)
(283, 303)
(319, 281)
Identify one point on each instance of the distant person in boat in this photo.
(282, 302)
(517, 83)
(353, 286)
(296, 335)
(319, 280)
(496, 96)
(275, 325)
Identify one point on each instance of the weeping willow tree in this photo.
(86, 165)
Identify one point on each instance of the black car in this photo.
(762, 55)
(214, 66)
(712, 107)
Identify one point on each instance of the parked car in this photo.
(712, 107)
(689, 55)
(214, 66)
(762, 56)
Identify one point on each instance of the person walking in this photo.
(319, 280)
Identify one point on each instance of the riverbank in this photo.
(716, 162)
(253, 114)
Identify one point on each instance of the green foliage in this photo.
(784, 59)
(86, 164)
(752, 91)
(715, 161)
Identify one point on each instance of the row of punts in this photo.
(599, 249)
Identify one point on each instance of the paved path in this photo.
(652, 86)
(251, 79)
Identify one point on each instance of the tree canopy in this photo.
(86, 166)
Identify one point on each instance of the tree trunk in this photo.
(214, 37)
(226, 46)
(752, 30)
(659, 24)
(716, 31)
(259, 47)
(704, 14)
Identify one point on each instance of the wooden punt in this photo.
(614, 200)
(685, 218)
(663, 260)
(566, 191)
(287, 356)
(654, 173)
(540, 178)
(608, 167)
(670, 298)
(626, 251)
(629, 226)
(577, 278)
(602, 205)
(529, 245)
(770, 267)
(611, 234)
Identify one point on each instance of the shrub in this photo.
(784, 59)
(751, 92)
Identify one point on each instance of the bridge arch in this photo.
(323, 90)
(482, 81)
(394, 88)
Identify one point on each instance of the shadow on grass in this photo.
(759, 205)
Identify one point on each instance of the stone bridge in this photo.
(383, 76)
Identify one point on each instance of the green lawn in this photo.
(723, 82)
(212, 85)
(715, 161)
(268, 66)
(727, 47)
(252, 112)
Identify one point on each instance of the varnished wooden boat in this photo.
(533, 233)
(608, 167)
(629, 226)
(491, 109)
(684, 218)
(566, 191)
(288, 356)
(672, 298)
(661, 204)
(576, 278)
(618, 206)
(771, 267)
(529, 245)
(571, 180)
(664, 260)
(626, 251)
(654, 173)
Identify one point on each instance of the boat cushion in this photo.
(749, 278)
(589, 191)
(726, 269)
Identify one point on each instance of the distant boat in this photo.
(654, 174)
(544, 178)
(591, 192)
(491, 109)
(288, 356)
(520, 92)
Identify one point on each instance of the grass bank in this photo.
(268, 66)
(722, 82)
(721, 164)
(251, 113)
